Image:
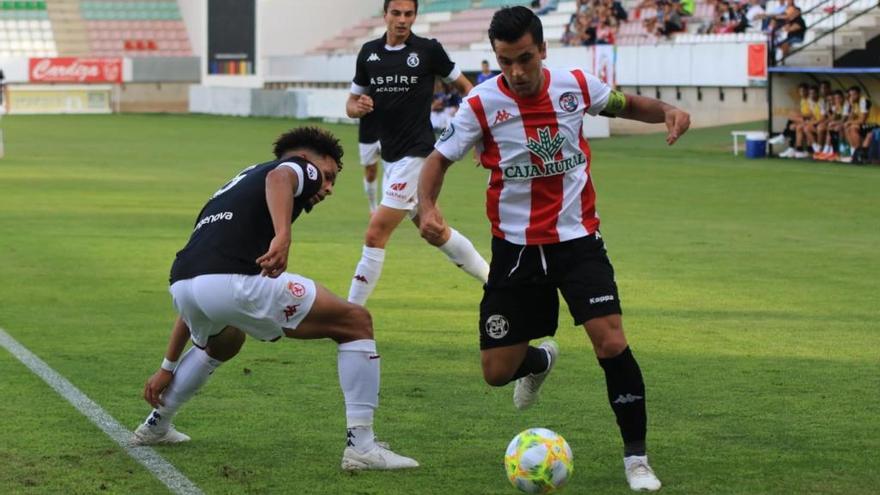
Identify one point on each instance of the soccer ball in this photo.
(538, 461)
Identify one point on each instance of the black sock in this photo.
(536, 361)
(626, 393)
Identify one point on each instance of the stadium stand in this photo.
(25, 30)
(135, 29)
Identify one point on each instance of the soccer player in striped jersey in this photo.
(527, 128)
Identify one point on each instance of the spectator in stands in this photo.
(485, 72)
(619, 12)
(606, 27)
(838, 112)
(860, 125)
(644, 5)
(755, 15)
(667, 22)
(790, 28)
(725, 19)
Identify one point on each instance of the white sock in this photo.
(371, 188)
(827, 149)
(191, 374)
(816, 147)
(366, 275)
(358, 366)
(460, 251)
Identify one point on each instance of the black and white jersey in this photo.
(401, 82)
(235, 228)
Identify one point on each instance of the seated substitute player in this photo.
(230, 280)
(860, 125)
(541, 206)
(370, 150)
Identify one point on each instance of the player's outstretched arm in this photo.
(157, 383)
(431, 223)
(280, 185)
(463, 84)
(651, 111)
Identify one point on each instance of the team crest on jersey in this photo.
(312, 171)
(569, 102)
(448, 132)
(413, 60)
(497, 326)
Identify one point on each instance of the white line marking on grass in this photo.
(156, 464)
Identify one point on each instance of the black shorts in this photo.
(520, 301)
(865, 129)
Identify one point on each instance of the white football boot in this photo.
(528, 388)
(377, 458)
(150, 435)
(777, 139)
(801, 154)
(639, 475)
(788, 153)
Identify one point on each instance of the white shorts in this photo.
(400, 184)
(260, 306)
(370, 153)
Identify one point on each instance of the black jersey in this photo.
(235, 228)
(368, 131)
(401, 83)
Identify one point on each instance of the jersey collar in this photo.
(406, 42)
(502, 85)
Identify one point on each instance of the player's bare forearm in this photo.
(358, 105)
(280, 184)
(463, 84)
(431, 178)
(431, 224)
(654, 111)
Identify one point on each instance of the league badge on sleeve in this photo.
(312, 171)
(569, 102)
(448, 132)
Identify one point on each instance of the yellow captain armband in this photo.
(616, 104)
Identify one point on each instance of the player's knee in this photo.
(377, 236)
(611, 346)
(226, 345)
(358, 323)
(495, 374)
(370, 173)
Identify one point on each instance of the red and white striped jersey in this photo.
(540, 191)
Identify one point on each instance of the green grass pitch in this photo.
(750, 291)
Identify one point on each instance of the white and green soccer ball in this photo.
(538, 461)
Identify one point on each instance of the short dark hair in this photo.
(803, 86)
(815, 88)
(385, 7)
(484, 62)
(856, 89)
(321, 141)
(826, 82)
(838, 92)
(512, 23)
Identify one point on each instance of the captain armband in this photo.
(616, 104)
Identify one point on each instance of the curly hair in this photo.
(321, 141)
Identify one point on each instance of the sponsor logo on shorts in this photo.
(497, 326)
(312, 171)
(413, 60)
(398, 186)
(296, 288)
(226, 215)
(362, 279)
(290, 311)
(569, 102)
(601, 299)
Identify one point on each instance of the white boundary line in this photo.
(156, 464)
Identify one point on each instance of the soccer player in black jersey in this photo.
(230, 280)
(394, 83)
